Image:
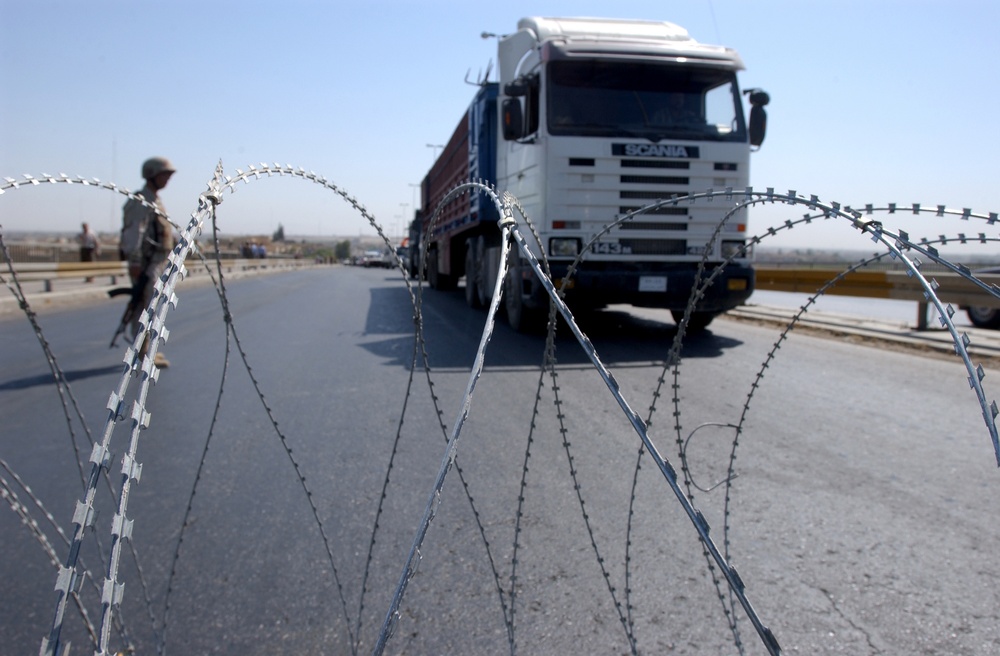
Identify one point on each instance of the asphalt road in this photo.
(861, 515)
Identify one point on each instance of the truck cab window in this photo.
(656, 101)
(531, 104)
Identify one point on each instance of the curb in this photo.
(984, 343)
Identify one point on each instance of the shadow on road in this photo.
(452, 331)
(46, 379)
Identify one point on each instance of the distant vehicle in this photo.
(388, 261)
(593, 119)
(373, 258)
(984, 317)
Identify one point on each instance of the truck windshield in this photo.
(650, 100)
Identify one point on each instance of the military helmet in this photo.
(156, 165)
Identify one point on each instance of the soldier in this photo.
(147, 239)
(90, 247)
(156, 171)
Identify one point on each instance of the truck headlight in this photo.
(732, 249)
(564, 247)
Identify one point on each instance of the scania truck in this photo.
(592, 119)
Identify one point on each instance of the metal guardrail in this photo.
(21, 252)
(888, 284)
(48, 272)
(952, 288)
(51, 271)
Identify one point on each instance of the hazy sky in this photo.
(871, 101)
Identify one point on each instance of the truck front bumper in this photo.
(667, 286)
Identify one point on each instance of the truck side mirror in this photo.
(513, 119)
(758, 117)
(516, 89)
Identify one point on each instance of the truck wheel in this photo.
(698, 321)
(472, 277)
(984, 317)
(432, 270)
(414, 264)
(482, 275)
(522, 319)
(435, 278)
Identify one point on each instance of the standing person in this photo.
(90, 248)
(147, 239)
(156, 171)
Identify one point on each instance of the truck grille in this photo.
(633, 175)
(672, 210)
(636, 224)
(654, 179)
(647, 195)
(654, 164)
(655, 246)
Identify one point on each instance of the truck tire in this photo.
(698, 321)
(435, 278)
(413, 263)
(473, 282)
(984, 317)
(483, 275)
(522, 319)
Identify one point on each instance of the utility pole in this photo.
(415, 185)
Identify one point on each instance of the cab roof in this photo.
(616, 37)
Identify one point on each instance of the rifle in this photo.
(134, 301)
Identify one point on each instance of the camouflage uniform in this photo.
(135, 219)
(147, 237)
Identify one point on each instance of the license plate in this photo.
(610, 248)
(652, 283)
